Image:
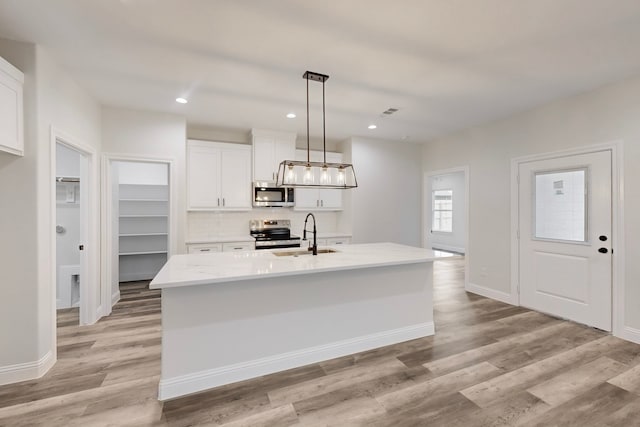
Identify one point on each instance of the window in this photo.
(442, 211)
(560, 206)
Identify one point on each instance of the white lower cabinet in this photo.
(204, 248)
(238, 246)
(334, 241)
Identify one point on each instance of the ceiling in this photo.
(444, 64)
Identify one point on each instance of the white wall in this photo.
(51, 98)
(145, 134)
(141, 173)
(454, 241)
(608, 114)
(386, 206)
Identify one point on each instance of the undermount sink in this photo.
(304, 252)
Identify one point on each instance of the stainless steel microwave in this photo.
(266, 194)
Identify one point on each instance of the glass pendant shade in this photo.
(299, 173)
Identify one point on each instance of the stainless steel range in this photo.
(273, 233)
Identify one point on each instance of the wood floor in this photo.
(489, 364)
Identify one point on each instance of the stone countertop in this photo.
(203, 269)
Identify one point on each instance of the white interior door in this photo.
(565, 237)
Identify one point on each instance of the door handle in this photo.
(603, 250)
(81, 247)
(603, 238)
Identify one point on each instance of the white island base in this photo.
(231, 317)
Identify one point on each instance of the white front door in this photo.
(565, 237)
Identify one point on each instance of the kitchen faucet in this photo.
(313, 248)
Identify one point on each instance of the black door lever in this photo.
(603, 250)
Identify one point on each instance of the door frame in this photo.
(617, 226)
(107, 217)
(426, 211)
(90, 307)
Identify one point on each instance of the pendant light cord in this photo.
(308, 159)
(324, 132)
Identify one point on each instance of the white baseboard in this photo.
(630, 334)
(186, 384)
(448, 248)
(26, 371)
(492, 293)
(115, 297)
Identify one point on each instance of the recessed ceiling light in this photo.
(291, 116)
(372, 126)
(181, 100)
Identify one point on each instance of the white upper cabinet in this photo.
(218, 176)
(11, 109)
(315, 199)
(269, 149)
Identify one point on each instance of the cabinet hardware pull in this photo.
(205, 250)
(218, 201)
(223, 202)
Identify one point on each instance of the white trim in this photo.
(617, 229)
(115, 297)
(630, 334)
(89, 224)
(505, 297)
(186, 384)
(107, 231)
(426, 214)
(27, 371)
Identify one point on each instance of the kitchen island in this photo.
(228, 317)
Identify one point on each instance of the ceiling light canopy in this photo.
(299, 173)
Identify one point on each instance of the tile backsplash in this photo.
(202, 225)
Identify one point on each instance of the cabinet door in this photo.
(11, 112)
(339, 241)
(236, 178)
(330, 198)
(203, 177)
(238, 246)
(264, 159)
(204, 248)
(284, 150)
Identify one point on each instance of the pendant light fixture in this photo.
(300, 173)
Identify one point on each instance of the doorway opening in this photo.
(446, 216)
(74, 233)
(68, 241)
(138, 226)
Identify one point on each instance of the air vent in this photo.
(390, 111)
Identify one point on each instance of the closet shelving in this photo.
(143, 230)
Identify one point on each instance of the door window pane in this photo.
(560, 205)
(442, 211)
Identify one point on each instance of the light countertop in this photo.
(201, 269)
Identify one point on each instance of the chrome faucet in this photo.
(313, 248)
